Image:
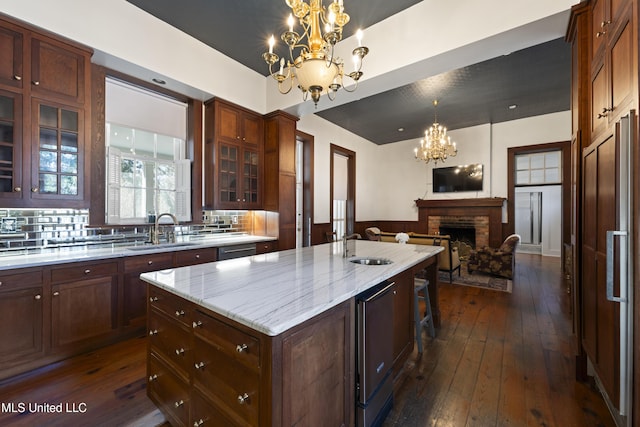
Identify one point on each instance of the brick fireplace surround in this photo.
(485, 215)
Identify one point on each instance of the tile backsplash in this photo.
(49, 228)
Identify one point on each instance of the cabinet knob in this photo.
(237, 136)
(605, 23)
(199, 365)
(179, 351)
(153, 299)
(87, 271)
(17, 189)
(153, 332)
(34, 190)
(243, 398)
(198, 423)
(197, 256)
(244, 139)
(605, 112)
(179, 313)
(149, 262)
(179, 403)
(36, 83)
(196, 324)
(56, 293)
(153, 377)
(241, 348)
(37, 296)
(600, 33)
(17, 77)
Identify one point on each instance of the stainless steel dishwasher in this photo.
(374, 354)
(236, 251)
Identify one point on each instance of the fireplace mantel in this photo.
(489, 207)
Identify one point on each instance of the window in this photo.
(538, 168)
(147, 168)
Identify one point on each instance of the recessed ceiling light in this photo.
(159, 81)
(513, 106)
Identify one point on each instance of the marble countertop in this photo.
(273, 292)
(118, 250)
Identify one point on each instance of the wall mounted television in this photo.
(457, 178)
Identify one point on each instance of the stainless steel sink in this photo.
(160, 246)
(371, 261)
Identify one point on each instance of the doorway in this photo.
(343, 189)
(304, 188)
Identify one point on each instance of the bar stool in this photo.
(422, 286)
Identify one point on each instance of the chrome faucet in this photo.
(155, 233)
(349, 244)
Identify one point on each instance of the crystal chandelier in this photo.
(435, 145)
(313, 64)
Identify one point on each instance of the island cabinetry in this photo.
(83, 304)
(266, 247)
(195, 256)
(403, 327)
(49, 78)
(241, 377)
(134, 289)
(21, 315)
(233, 156)
(170, 361)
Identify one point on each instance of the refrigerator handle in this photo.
(623, 274)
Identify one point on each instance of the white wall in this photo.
(389, 179)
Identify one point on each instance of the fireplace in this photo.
(480, 217)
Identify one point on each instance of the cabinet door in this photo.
(10, 145)
(621, 69)
(57, 71)
(21, 320)
(228, 195)
(83, 311)
(252, 129)
(599, 102)
(227, 123)
(57, 152)
(11, 59)
(599, 23)
(403, 326)
(251, 179)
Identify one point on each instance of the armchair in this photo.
(499, 262)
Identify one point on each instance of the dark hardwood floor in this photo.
(498, 360)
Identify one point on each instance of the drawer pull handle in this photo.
(153, 377)
(198, 423)
(243, 398)
(197, 324)
(149, 262)
(179, 403)
(199, 365)
(180, 351)
(153, 299)
(87, 271)
(153, 332)
(600, 34)
(179, 313)
(38, 296)
(0, 283)
(241, 348)
(56, 293)
(36, 83)
(17, 189)
(17, 77)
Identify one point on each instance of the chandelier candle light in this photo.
(315, 67)
(435, 145)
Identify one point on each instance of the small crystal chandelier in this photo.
(315, 67)
(435, 145)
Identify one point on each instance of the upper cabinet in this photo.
(613, 80)
(233, 156)
(44, 111)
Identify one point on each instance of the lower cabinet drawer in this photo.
(204, 414)
(168, 392)
(232, 384)
(171, 341)
(171, 305)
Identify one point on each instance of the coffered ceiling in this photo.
(532, 81)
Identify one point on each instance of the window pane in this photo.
(166, 177)
(121, 137)
(522, 177)
(48, 161)
(69, 163)
(6, 107)
(6, 132)
(69, 141)
(69, 120)
(166, 201)
(165, 147)
(48, 116)
(537, 161)
(552, 159)
(537, 176)
(48, 183)
(69, 185)
(127, 167)
(48, 139)
(147, 175)
(522, 162)
(552, 175)
(144, 143)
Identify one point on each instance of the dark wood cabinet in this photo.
(403, 326)
(134, 292)
(236, 376)
(84, 302)
(266, 247)
(46, 79)
(21, 317)
(233, 157)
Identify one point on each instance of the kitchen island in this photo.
(269, 339)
